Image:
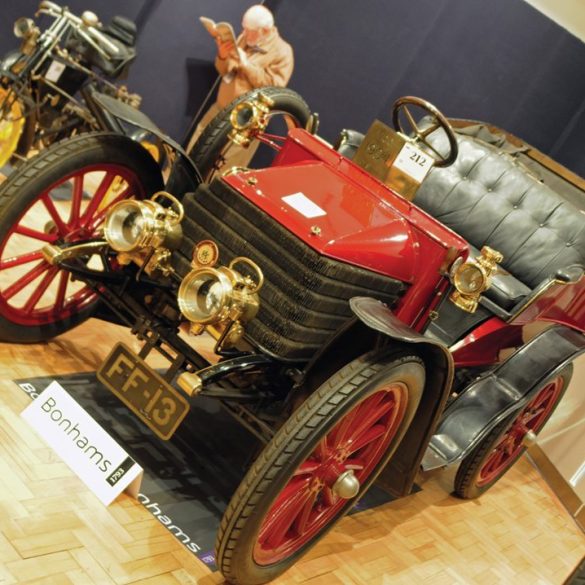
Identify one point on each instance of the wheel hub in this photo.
(347, 485)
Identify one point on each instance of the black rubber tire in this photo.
(213, 139)
(292, 444)
(35, 175)
(465, 485)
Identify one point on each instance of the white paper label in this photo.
(414, 162)
(83, 444)
(304, 205)
(54, 71)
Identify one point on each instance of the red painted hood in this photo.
(353, 225)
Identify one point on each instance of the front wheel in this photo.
(504, 445)
(318, 465)
(61, 197)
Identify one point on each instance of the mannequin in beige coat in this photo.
(264, 59)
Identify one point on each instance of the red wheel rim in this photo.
(307, 503)
(32, 292)
(531, 418)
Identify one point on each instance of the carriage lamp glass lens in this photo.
(125, 226)
(469, 279)
(203, 295)
(243, 116)
(23, 27)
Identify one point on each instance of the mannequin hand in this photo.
(224, 48)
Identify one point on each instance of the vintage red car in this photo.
(404, 300)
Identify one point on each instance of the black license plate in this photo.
(143, 391)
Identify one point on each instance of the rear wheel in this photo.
(318, 465)
(213, 150)
(504, 445)
(59, 197)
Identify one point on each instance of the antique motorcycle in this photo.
(47, 86)
(372, 302)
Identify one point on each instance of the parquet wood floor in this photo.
(53, 531)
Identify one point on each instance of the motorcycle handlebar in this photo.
(91, 34)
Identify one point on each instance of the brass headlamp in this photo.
(132, 225)
(250, 117)
(221, 299)
(23, 27)
(473, 277)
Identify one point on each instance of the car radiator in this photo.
(305, 295)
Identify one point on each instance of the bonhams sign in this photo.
(83, 444)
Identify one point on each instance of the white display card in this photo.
(414, 162)
(83, 444)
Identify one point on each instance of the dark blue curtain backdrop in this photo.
(500, 61)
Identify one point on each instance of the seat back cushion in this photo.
(489, 199)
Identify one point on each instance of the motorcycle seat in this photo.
(122, 29)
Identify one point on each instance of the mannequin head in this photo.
(257, 24)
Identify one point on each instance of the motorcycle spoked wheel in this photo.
(289, 498)
(212, 148)
(61, 196)
(11, 125)
(504, 445)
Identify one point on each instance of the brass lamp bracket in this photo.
(473, 277)
(249, 118)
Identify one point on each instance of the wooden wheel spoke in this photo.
(101, 214)
(371, 434)
(283, 514)
(307, 468)
(20, 260)
(77, 196)
(62, 290)
(97, 198)
(375, 412)
(355, 463)
(329, 497)
(40, 289)
(25, 280)
(302, 520)
(50, 207)
(32, 233)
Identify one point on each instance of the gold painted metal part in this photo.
(190, 383)
(381, 154)
(221, 299)
(248, 118)
(145, 232)
(54, 255)
(11, 124)
(473, 277)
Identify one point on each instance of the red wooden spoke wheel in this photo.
(317, 465)
(492, 458)
(60, 197)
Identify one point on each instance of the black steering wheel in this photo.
(421, 134)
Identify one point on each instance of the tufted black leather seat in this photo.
(490, 199)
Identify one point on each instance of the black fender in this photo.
(495, 396)
(115, 112)
(399, 474)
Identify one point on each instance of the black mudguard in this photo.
(493, 397)
(400, 473)
(121, 112)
